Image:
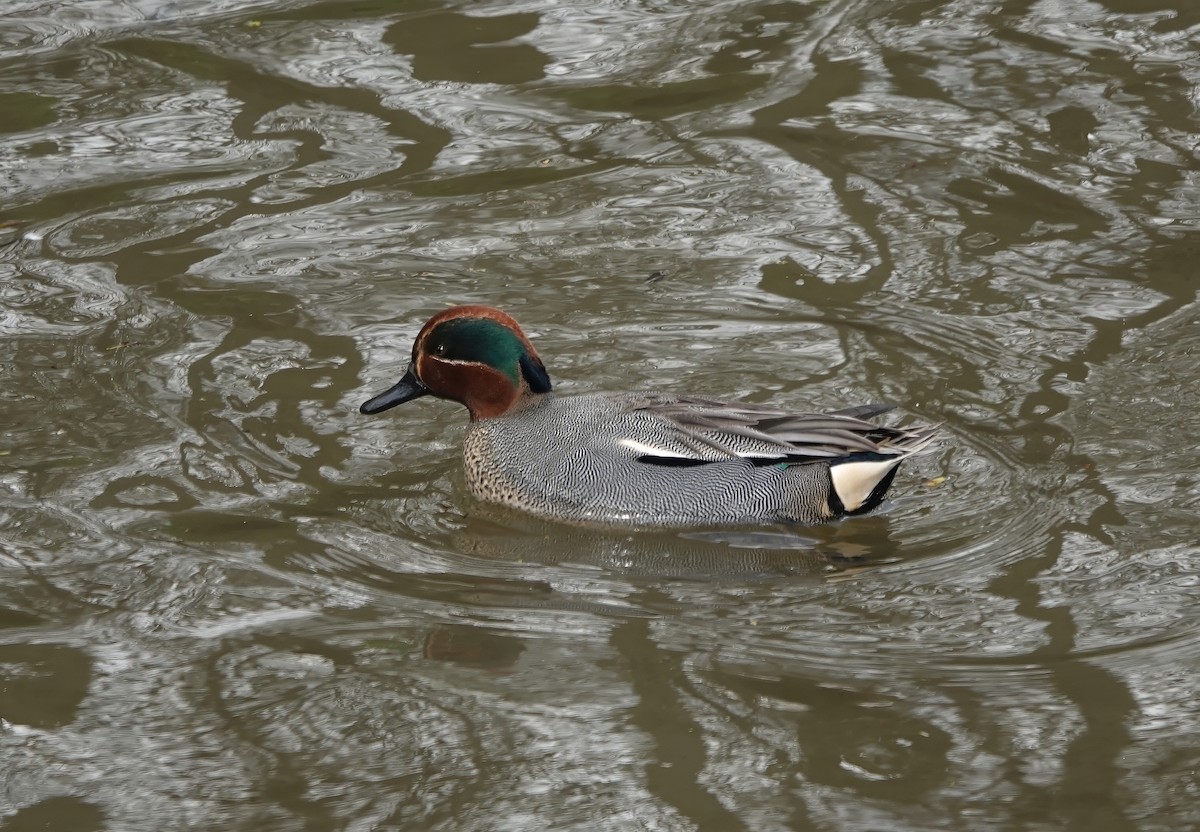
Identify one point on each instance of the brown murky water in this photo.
(231, 602)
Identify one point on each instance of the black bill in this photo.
(405, 390)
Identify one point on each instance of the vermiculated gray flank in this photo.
(664, 460)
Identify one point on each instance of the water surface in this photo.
(229, 601)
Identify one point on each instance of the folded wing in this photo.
(697, 431)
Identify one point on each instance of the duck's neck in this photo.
(497, 398)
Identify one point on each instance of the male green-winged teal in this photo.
(653, 459)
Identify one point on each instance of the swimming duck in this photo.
(641, 459)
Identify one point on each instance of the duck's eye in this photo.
(439, 349)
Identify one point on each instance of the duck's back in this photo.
(612, 459)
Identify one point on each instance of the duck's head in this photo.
(475, 355)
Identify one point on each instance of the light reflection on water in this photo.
(230, 601)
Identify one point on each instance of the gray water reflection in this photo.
(229, 602)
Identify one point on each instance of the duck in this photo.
(655, 459)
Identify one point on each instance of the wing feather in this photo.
(707, 431)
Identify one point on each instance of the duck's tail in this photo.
(860, 481)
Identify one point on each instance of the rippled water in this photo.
(231, 602)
